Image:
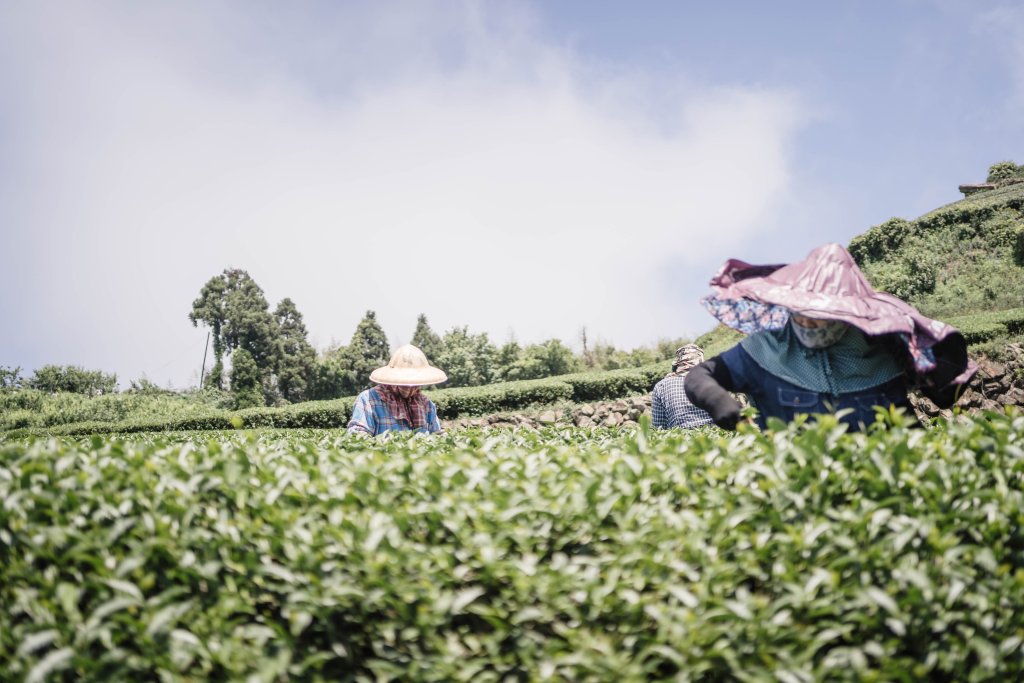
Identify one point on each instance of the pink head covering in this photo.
(829, 285)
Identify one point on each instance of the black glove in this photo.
(704, 389)
(725, 411)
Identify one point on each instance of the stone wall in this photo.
(997, 384)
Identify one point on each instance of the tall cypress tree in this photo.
(426, 340)
(367, 351)
(296, 358)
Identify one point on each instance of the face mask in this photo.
(819, 337)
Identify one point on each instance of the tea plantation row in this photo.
(800, 554)
(492, 398)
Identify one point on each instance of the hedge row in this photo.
(451, 403)
(983, 327)
(804, 554)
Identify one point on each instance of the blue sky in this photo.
(522, 168)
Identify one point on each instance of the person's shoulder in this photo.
(664, 382)
(367, 394)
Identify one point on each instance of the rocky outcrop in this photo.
(997, 384)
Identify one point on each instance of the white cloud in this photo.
(472, 172)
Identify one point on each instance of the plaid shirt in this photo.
(671, 408)
(371, 416)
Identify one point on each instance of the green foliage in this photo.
(330, 375)
(467, 359)
(507, 359)
(233, 306)
(426, 340)
(880, 242)
(72, 379)
(802, 554)
(367, 351)
(1004, 170)
(983, 327)
(36, 409)
(451, 402)
(967, 257)
(541, 360)
(245, 380)
(295, 357)
(10, 378)
(148, 388)
(721, 338)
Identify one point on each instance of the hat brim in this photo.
(408, 377)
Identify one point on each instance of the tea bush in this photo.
(800, 554)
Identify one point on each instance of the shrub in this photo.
(72, 379)
(1004, 170)
(802, 554)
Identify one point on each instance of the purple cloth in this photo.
(828, 285)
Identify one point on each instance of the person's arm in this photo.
(363, 420)
(659, 419)
(708, 386)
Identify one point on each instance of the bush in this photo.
(983, 327)
(803, 554)
(1004, 170)
(880, 242)
(72, 379)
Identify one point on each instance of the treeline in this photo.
(52, 379)
(263, 356)
(273, 363)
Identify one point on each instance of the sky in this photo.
(523, 168)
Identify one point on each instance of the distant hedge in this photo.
(983, 327)
(451, 403)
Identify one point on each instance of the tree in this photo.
(235, 309)
(246, 381)
(468, 359)
(367, 351)
(330, 377)
(73, 379)
(505, 363)
(296, 358)
(545, 360)
(426, 339)
(10, 378)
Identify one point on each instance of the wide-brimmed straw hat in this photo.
(408, 367)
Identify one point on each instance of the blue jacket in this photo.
(736, 371)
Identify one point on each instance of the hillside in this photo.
(962, 263)
(964, 258)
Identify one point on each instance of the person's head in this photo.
(687, 358)
(407, 371)
(817, 333)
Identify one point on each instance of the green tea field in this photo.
(799, 554)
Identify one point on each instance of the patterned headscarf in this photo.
(412, 410)
(687, 358)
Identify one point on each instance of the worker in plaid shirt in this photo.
(669, 405)
(396, 404)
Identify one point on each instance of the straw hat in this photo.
(408, 368)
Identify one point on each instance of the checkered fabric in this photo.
(671, 408)
(371, 416)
